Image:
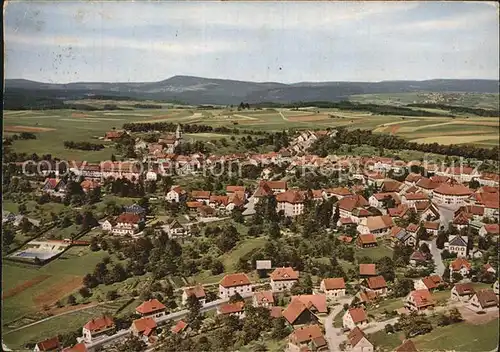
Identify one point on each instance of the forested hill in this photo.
(198, 90)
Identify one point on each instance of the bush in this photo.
(389, 329)
(71, 300)
(111, 295)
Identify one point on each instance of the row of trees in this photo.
(359, 137)
(82, 145)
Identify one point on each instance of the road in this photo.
(333, 335)
(159, 321)
(436, 256)
(446, 214)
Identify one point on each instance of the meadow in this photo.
(53, 127)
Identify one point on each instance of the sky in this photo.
(287, 42)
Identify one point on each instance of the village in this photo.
(441, 219)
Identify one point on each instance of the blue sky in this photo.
(257, 41)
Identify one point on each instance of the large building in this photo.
(234, 283)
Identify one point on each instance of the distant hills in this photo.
(199, 90)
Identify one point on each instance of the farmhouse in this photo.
(484, 300)
(297, 313)
(377, 225)
(357, 341)
(144, 328)
(307, 338)
(462, 292)
(354, 317)
(151, 308)
(376, 284)
(98, 327)
(263, 299)
(419, 300)
(333, 287)
(236, 309)
(51, 344)
(283, 279)
(366, 241)
(198, 291)
(234, 283)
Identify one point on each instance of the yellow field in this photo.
(455, 139)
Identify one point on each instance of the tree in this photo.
(84, 292)
(274, 231)
(402, 287)
(279, 329)
(94, 246)
(26, 225)
(456, 276)
(455, 315)
(415, 324)
(236, 298)
(22, 208)
(132, 344)
(8, 236)
(441, 239)
(389, 329)
(385, 267)
(71, 300)
(217, 267)
(193, 317)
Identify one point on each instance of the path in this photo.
(283, 116)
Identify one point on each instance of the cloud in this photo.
(182, 48)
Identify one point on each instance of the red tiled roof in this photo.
(376, 282)
(231, 189)
(406, 346)
(317, 302)
(293, 310)
(153, 305)
(374, 223)
(465, 289)
(453, 190)
(232, 280)
(280, 274)
(431, 225)
(492, 228)
(426, 183)
(101, 323)
(412, 228)
(264, 297)
(305, 334)
(336, 283)
(349, 203)
(49, 344)
(355, 335)
(367, 238)
(114, 134)
(416, 196)
(144, 325)
(432, 282)
(200, 194)
(275, 184)
(194, 204)
(458, 263)
(276, 312)
(179, 327)
(487, 298)
(228, 308)
(358, 315)
(128, 218)
(345, 239)
(422, 298)
(79, 347)
(367, 269)
(412, 177)
(224, 200)
(291, 196)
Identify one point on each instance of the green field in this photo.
(77, 125)
(375, 253)
(456, 337)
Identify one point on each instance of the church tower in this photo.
(178, 132)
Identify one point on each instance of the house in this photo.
(401, 236)
(412, 199)
(89, 185)
(79, 347)
(200, 196)
(51, 344)
(236, 309)
(234, 189)
(489, 179)
(276, 186)
(348, 204)
(297, 313)
(406, 346)
(366, 241)
(489, 269)
(339, 192)
(419, 300)
(462, 292)
(114, 135)
(426, 185)
(98, 327)
(377, 225)
(457, 244)
(135, 209)
(496, 287)
(484, 299)
(417, 258)
(54, 186)
(357, 341)
(180, 327)
(176, 230)
(315, 303)
(379, 200)
(460, 265)
(367, 270)
(413, 229)
(489, 230)
(176, 194)
(263, 299)
(307, 338)
(291, 202)
(432, 227)
(354, 317)
(427, 211)
(125, 224)
(283, 279)
(390, 185)
(376, 284)
(234, 283)
(367, 297)
(451, 193)
(333, 287)
(151, 308)
(412, 179)
(196, 291)
(429, 283)
(144, 328)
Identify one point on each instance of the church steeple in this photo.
(178, 132)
